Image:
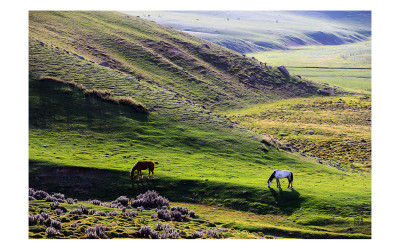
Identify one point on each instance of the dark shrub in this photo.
(150, 199)
(123, 200)
(113, 213)
(170, 233)
(84, 209)
(164, 215)
(70, 200)
(92, 211)
(183, 210)
(44, 215)
(58, 211)
(59, 197)
(39, 219)
(50, 198)
(191, 214)
(94, 202)
(176, 215)
(77, 211)
(96, 232)
(154, 234)
(74, 224)
(196, 235)
(54, 205)
(31, 198)
(51, 231)
(101, 213)
(40, 195)
(145, 231)
(213, 233)
(153, 216)
(131, 214)
(31, 191)
(56, 224)
(32, 220)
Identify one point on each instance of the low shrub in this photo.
(145, 231)
(197, 235)
(131, 214)
(191, 214)
(56, 224)
(213, 233)
(58, 211)
(54, 205)
(51, 231)
(164, 215)
(123, 200)
(150, 199)
(101, 213)
(94, 202)
(99, 231)
(32, 220)
(113, 213)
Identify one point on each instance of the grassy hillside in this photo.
(330, 128)
(255, 31)
(205, 73)
(84, 147)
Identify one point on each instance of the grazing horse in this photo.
(142, 165)
(279, 174)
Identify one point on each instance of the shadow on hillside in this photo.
(53, 102)
(287, 199)
(85, 183)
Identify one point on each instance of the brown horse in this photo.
(142, 165)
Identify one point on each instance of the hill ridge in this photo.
(203, 72)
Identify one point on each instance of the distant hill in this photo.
(254, 31)
(204, 73)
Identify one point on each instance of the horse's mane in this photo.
(272, 176)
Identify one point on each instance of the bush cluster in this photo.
(150, 199)
(99, 231)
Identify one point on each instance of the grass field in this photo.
(84, 147)
(331, 128)
(347, 66)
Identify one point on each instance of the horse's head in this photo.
(269, 183)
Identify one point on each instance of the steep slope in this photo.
(205, 73)
(256, 31)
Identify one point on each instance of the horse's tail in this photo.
(291, 177)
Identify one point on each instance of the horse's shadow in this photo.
(287, 201)
(142, 184)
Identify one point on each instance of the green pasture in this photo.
(347, 66)
(85, 148)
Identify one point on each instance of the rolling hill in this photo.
(203, 72)
(256, 31)
(84, 146)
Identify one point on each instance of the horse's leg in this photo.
(148, 177)
(289, 182)
(278, 184)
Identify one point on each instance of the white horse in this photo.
(279, 174)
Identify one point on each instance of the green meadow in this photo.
(207, 147)
(347, 66)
